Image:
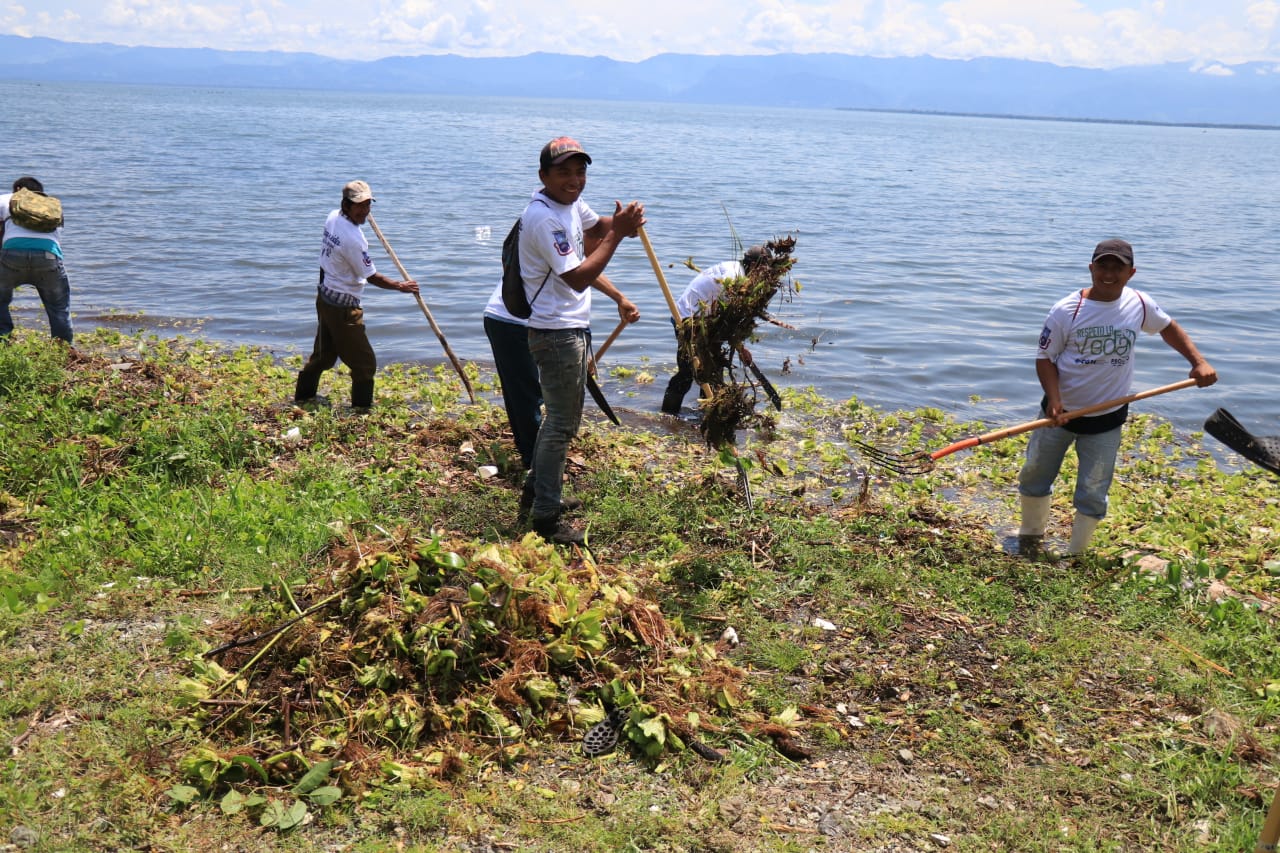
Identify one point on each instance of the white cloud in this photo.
(1099, 33)
(1216, 69)
(1263, 15)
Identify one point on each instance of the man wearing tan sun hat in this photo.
(345, 267)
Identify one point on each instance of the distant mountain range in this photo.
(1247, 94)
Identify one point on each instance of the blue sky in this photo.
(1093, 33)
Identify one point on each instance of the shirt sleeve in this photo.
(356, 253)
(555, 245)
(1053, 338)
(1155, 319)
(588, 216)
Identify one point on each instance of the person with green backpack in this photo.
(31, 253)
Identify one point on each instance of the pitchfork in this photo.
(922, 462)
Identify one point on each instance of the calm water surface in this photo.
(929, 247)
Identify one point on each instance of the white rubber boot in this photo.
(1035, 515)
(1082, 527)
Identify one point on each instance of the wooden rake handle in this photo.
(1271, 828)
(608, 342)
(988, 437)
(657, 271)
(453, 359)
(666, 291)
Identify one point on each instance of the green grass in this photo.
(151, 494)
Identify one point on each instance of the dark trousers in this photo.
(518, 375)
(340, 334)
(680, 384)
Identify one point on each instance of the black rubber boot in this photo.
(558, 532)
(362, 394)
(526, 501)
(306, 388)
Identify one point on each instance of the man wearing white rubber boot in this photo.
(1085, 357)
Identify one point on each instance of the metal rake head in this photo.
(919, 462)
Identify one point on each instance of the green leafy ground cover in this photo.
(228, 623)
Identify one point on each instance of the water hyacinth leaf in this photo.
(296, 814)
(190, 692)
(561, 653)
(184, 794)
(232, 802)
(202, 765)
(380, 567)
(787, 717)
(725, 700)
(654, 728)
(13, 600)
(326, 796)
(283, 817)
(441, 662)
(377, 675)
(539, 690)
(586, 716)
(652, 736)
(315, 777)
(248, 762)
(450, 560)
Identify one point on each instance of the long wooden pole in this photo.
(657, 271)
(608, 342)
(666, 291)
(996, 435)
(1271, 829)
(457, 365)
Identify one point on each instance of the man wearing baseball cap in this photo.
(559, 275)
(1085, 357)
(345, 267)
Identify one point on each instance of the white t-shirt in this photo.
(344, 257)
(17, 237)
(1092, 344)
(706, 286)
(497, 309)
(551, 241)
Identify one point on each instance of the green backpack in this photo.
(35, 211)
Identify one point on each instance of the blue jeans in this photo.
(561, 356)
(1097, 457)
(518, 375)
(44, 272)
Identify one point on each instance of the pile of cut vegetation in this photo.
(407, 659)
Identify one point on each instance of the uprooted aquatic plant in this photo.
(406, 659)
(714, 338)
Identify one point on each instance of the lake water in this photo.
(929, 247)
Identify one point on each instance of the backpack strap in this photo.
(538, 292)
